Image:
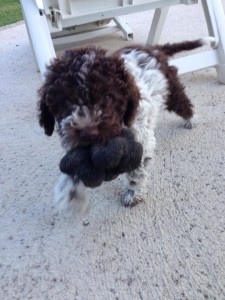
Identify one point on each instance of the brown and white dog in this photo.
(91, 95)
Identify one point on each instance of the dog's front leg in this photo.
(136, 190)
(70, 194)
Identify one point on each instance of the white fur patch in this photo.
(70, 196)
(209, 41)
(80, 118)
(152, 85)
(153, 89)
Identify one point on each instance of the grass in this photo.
(10, 12)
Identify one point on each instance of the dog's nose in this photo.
(89, 133)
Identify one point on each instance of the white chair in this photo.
(55, 22)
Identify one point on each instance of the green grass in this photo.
(10, 12)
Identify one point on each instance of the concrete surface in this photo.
(170, 247)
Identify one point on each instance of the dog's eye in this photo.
(108, 97)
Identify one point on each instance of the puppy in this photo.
(91, 95)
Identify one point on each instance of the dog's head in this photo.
(89, 94)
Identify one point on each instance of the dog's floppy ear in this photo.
(46, 119)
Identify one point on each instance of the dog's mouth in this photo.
(79, 128)
(72, 137)
(89, 133)
(83, 127)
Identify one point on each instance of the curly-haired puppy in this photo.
(91, 95)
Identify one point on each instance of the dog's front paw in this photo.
(69, 195)
(131, 198)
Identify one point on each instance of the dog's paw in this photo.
(131, 198)
(69, 195)
(188, 124)
(191, 122)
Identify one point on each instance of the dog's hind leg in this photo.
(177, 100)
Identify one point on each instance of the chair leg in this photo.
(215, 19)
(39, 35)
(157, 25)
(32, 47)
(220, 18)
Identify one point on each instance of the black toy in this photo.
(96, 163)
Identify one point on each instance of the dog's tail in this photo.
(171, 49)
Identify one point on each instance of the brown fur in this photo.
(104, 83)
(92, 96)
(177, 100)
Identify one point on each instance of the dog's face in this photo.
(89, 95)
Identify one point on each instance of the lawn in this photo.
(10, 12)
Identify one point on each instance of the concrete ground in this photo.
(170, 247)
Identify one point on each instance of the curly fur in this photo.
(89, 94)
(92, 95)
